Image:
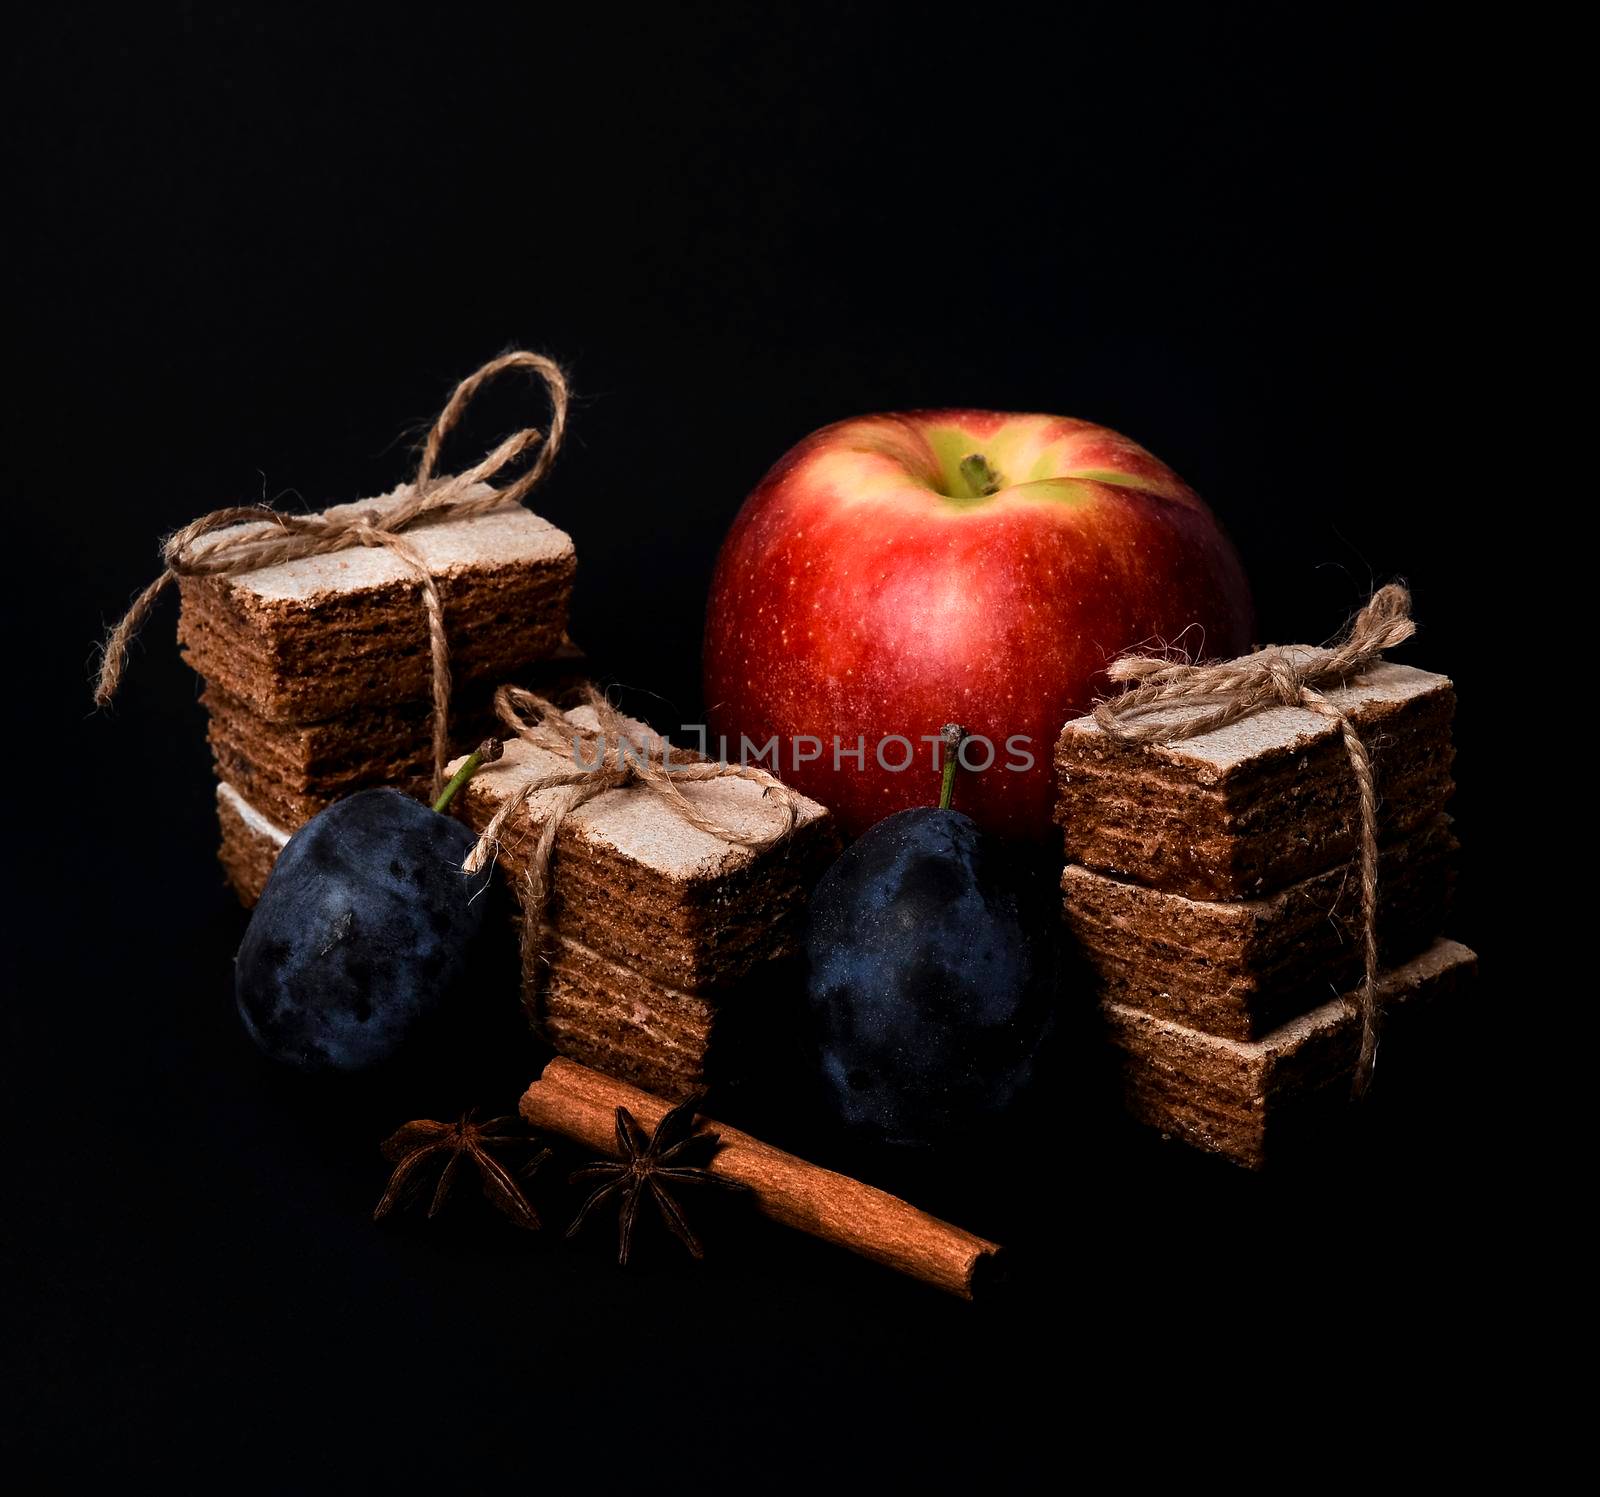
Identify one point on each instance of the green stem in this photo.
(979, 476)
(485, 753)
(952, 734)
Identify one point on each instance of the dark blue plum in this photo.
(363, 935)
(931, 978)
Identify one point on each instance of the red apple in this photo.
(895, 573)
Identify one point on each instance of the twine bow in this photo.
(606, 757)
(188, 553)
(1277, 677)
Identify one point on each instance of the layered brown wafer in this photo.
(612, 1018)
(251, 843)
(1246, 1099)
(1241, 967)
(671, 1042)
(1250, 808)
(258, 808)
(651, 922)
(290, 771)
(308, 640)
(636, 883)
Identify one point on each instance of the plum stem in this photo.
(952, 736)
(485, 753)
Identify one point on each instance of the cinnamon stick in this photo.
(581, 1104)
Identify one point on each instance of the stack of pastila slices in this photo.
(1212, 885)
(655, 932)
(318, 676)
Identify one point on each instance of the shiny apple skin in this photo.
(857, 596)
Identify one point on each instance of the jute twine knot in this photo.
(188, 552)
(1278, 677)
(606, 757)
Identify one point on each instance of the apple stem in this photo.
(485, 753)
(953, 735)
(979, 476)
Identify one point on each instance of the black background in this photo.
(253, 251)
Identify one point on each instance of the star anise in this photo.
(649, 1167)
(420, 1143)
